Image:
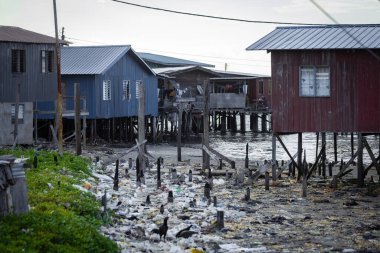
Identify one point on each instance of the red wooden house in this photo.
(325, 79)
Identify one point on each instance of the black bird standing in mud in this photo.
(163, 229)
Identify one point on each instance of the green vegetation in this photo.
(62, 218)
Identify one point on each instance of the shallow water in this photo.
(260, 146)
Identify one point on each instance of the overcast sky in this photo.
(104, 22)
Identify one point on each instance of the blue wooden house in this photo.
(108, 76)
(27, 75)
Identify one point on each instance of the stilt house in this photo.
(28, 75)
(325, 79)
(108, 77)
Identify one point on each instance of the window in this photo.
(18, 60)
(138, 83)
(315, 81)
(106, 90)
(47, 61)
(20, 113)
(261, 87)
(126, 90)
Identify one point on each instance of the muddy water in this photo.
(260, 146)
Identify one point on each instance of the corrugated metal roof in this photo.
(320, 37)
(90, 60)
(170, 70)
(171, 61)
(17, 34)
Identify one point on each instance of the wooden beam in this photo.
(213, 151)
(366, 145)
(340, 173)
(316, 162)
(287, 152)
(286, 165)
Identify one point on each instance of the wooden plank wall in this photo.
(354, 103)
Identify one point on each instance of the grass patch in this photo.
(62, 218)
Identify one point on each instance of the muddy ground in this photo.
(345, 219)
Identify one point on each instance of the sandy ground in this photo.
(345, 219)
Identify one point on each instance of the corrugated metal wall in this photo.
(354, 102)
(126, 68)
(35, 85)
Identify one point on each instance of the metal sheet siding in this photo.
(35, 85)
(127, 68)
(321, 37)
(353, 105)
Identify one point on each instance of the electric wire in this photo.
(344, 29)
(213, 17)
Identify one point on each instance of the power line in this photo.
(210, 16)
(344, 29)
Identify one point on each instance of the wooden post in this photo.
(206, 124)
(335, 147)
(78, 136)
(179, 135)
(59, 84)
(141, 123)
(263, 123)
(246, 156)
(223, 126)
(267, 181)
(207, 190)
(154, 129)
(330, 169)
(316, 150)
(220, 219)
(215, 201)
(360, 161)
(305, 172)
(190, 176)
(247, 196)
(299, 157)
(324, 155)
(274, 166)
(352, 144)
(170, 197)
(255, 124)
(116, 178)
(242, 122)
(159, 172)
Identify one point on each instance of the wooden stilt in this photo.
(335, 147)
(274, 166)
(242, 122)
(360, 168)
(324, 155)
(352, 144)
(299, 157)
(316, 150)
(264, 123)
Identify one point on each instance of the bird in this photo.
(162, 209)
(185, 233)
(162, 230)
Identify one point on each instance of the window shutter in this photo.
(43, 61)
(307, 81)
(107, 90)
(322, 81)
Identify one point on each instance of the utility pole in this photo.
(59, 85)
